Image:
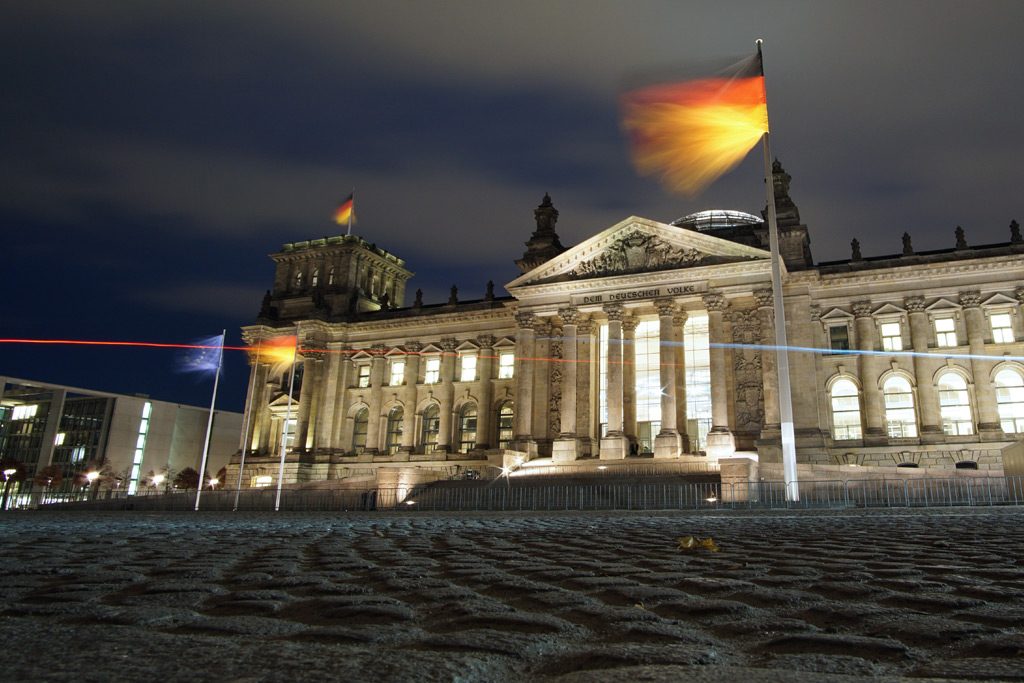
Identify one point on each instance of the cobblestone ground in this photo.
(806, 596)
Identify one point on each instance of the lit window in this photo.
(945, 332)
(290, 427)
(1002, 329)
(839, 338)
(24, 412)
(900, 419)
(298, 279)
(891, 338)
(78, 454)
(431, 427)
(845, 410)
(955, 405)
(468, 368)
(467, 428)
(262, 480)
(397, 373)
(360, 426)
(506, 365)
(59, 439)
(394, 429)
(330, 276)
(363, 378)
(432, 374)
(1010, 400)
(314, 279)
(506, 417)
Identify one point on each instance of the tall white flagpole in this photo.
(352, 212)
(287, 419)
(246, 442)
(781, 346)
(209, 422)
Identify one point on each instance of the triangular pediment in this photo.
(999, 300)
(889, 309)
(638, 245)
(943, 305)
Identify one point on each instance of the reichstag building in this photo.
(646, 340)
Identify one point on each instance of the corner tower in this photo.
(543, 244)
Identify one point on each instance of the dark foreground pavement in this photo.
(806, 596)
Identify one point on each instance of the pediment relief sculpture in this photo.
(637, 252)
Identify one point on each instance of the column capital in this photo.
(815, 313)
(666, 307)
(679, 318)
(542, 326)
(861, 309)
(764, 298)
(413, 346)
(1019, 293)
(715, 302)
(914, 304)
(570, 315)
(486, 341)
(629, 323)
(613, 311)
(585, 326)
(313, 350)
(378, 350)
(524, 320)
(448, 344)
(970, 298)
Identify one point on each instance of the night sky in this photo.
(154, 153)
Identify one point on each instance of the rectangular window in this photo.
(839, 337)
(892, 340)
(467, 372)
(506, 365)
(1002, 329)
(363, 378)
(397, 375)
(262, 480)
(59, 439)
(945, 332)
(24, 412)
(432, 373)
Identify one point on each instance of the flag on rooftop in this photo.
(278, 350)
(204, 356)
(346, 210)
(690, 132)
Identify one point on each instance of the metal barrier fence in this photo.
(632, 469)
(504, 495)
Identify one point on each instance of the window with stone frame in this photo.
(314, 279)
(839, 337)
(1002, 328)
(955, 405)
(1010, 400)
(396, 376)
(467, 367)
(900, 417)
(360, 426)
(363, 375)
(945, 332)
(393, 440)
(467, 428)
(892, 337)
(845, 400)
(431, 428)
(432, 370)
(506, 364)
(506, 425)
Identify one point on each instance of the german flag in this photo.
(344, 213)
(690, 132)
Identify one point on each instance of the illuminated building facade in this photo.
(126, 437)
(645, 340)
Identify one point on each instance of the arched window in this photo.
(955, 405)
(467, 428)
(431, 426)
(506, 428)
(330, 276)
(394, 433)
(359, 426)
(900, 419)
(845, 410)
(298, 279)
(1010, 400)
(314, 279)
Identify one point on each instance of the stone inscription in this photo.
(630, 295)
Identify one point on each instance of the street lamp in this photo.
(213, 482)
(8, 473)
(157, 480)
(91, 477)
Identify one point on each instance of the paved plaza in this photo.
(806, 596)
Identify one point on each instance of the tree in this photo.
(50, 476)
(222, 477)
(187, 479)
(18, 474)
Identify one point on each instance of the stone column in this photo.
(614, 445)
(376, 399)
(341, 406)
(566, 447)
(412, 374)
(679, 355)
(721, 443)
(253, 410)
(1019, 332)
(629, 324)
(309, 393)
(924, 368)
(667, 443)
(447, 397)
(525, 342)
(544, 332)
(867, 365)
(263, 419)
(769, 366)
(328, 401)
(588, 366)
(989, 426)
(485, 391)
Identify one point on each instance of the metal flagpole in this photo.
(209, 422)
(287, 419)
(248, 420)
(352, 212)
(781, 354)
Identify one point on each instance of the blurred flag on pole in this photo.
(276, 351)
(204, 356)
(344, 213)
(689, 132)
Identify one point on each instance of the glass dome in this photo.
(716, 218)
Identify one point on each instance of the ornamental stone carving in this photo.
(665, 307)
(746, 326)
(914, 304)
(635, 252)
(1019, 292)
(485, 341)
(313, 349)
(715, 302)
(764, 298)
(629, 323)
(679, 318)
(569, 315)
(815, 313)
(378, 349)
(970, 299)
(614, 311)
(555, 397)
(448, 344)
(413, 347)
(524, 320)
(861, 309)
(585, 326)
(542, 327)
